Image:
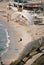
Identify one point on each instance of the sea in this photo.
(4, 39)
(7, 41)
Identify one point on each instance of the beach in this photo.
(17, 31)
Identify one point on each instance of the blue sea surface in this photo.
(7, 41)
(3, 39)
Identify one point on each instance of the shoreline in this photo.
(9, 52)
(7, 39)
(7, 43)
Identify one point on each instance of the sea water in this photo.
(7, 42)
(4, 39)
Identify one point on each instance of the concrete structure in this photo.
(30, 3)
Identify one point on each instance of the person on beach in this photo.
(20, 40)
(8, 17)
(1, 61)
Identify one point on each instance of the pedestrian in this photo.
(0, 59)
(8, 17)
(20, 39)
(2, 63)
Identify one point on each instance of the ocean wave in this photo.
(8, 42)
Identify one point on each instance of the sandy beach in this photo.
(27, 33)
(18, 32)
